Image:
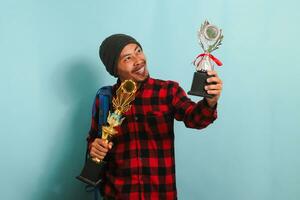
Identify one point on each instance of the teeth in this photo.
(141, 71)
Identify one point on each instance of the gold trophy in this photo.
(91, 173)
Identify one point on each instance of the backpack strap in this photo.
(104, 96)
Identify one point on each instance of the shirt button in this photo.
(136, 118)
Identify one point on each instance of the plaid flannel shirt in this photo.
(141, 164)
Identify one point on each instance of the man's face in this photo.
(132, 64)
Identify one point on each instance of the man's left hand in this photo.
(215, 88)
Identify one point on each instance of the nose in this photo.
(138, 61)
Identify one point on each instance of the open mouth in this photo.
(140, 71)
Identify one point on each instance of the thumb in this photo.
(110, 144)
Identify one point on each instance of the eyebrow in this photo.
(128, 54)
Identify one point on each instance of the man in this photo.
(140, 160)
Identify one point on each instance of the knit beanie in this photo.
(111, 48)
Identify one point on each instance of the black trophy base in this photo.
(91, 173)
(199, 82)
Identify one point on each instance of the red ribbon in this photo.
(216, 60)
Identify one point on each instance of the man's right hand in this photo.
(99, 148)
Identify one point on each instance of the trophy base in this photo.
(198, 84)
(91, 173)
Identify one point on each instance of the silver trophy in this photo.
(210, 38)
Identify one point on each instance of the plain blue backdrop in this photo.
(50, 71)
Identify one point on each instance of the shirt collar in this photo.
(141, 84)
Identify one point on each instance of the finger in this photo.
(97, 152)
(99, 147)
(103, 149)
(214, 79)
(94, 155)
(215, 92)
(102, 143)
(213, 87)
(212, 73)
(110, 144)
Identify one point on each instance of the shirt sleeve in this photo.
(194, 115)
(94, 122)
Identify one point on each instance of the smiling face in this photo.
(132, 64)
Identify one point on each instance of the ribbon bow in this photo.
(216, 60)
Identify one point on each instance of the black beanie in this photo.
(111, 48)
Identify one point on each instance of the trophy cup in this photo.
(210, 38)
(91, 173)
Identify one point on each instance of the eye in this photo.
(127, 58)
(139, 50)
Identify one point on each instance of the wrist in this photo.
(211, 102)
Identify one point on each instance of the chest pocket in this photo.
(159, 125)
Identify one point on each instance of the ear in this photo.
(116, 72)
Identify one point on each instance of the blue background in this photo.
(50, 71)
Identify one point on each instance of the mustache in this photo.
(141, 65)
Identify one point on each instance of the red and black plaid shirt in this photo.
(141, 164)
